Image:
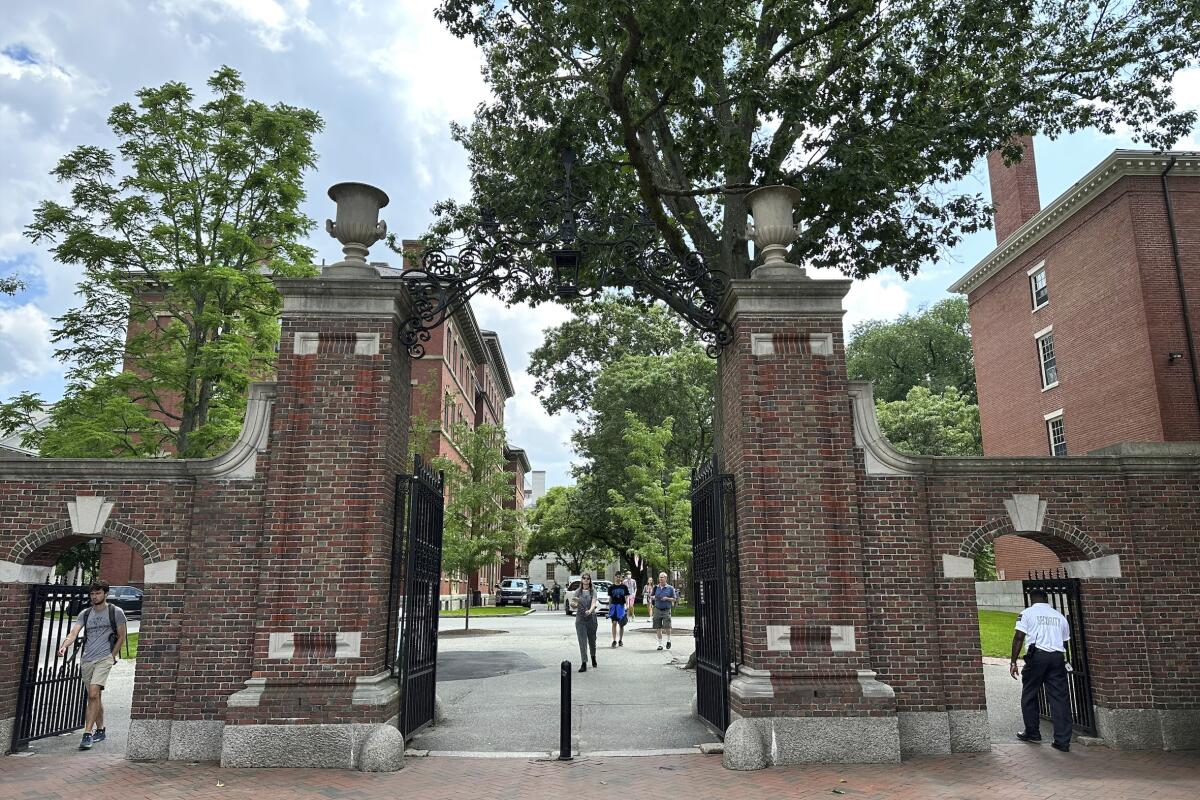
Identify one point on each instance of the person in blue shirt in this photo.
(618, 597)
(664, 602)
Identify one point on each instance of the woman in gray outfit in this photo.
(586, 605)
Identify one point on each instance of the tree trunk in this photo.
(467, 616)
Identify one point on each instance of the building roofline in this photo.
(498, 362)
(1119, 164)
(518, 454)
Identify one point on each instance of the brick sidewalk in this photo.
(1013, 772)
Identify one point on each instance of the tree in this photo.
(933, 424)
(930, 348)
(654, 508)
(565, 366)
(477, 526)
(83, 556)
(11, 284)
(178, 241)
(557, 525)
(679, 387)
(874, 111)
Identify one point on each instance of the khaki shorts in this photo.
(95, 673)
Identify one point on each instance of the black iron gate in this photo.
(415, 593)
(1064, 595)
(714, 590)
(50, 697)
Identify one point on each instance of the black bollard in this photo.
(564, 745)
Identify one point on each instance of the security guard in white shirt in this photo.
(1046, 632)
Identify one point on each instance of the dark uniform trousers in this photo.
(1046, 668)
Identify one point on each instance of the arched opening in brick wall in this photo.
(999, 602)
(45, 549)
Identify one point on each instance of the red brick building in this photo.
(1086, 317)
(464, 378)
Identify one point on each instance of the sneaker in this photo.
(668, 645)
(621, 643)
(86, 744)
(98, 736)
(660, 647)
(1066, 748)
(1024, 737)
(614, 644)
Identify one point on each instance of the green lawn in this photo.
(486, 611)
(996, 632)
(130, 649)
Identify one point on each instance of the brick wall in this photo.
(120, 564)
(856, 560)
(1016, 556)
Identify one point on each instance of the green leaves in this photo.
(477, 525)
(565, 366)
(178, 237)
(875, 111)
(559, 524)
(653, 507)
(932, 424)
(931, 348)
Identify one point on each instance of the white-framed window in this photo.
(1056, 433)
(1045, 348)
(1039, 292)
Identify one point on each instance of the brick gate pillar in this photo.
(319, 695)
(805, 691)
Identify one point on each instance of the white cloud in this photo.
(25, 349)
(1187, 94)
(272, 21)
(884, 295)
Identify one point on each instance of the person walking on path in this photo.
(1045, 631)
(664, 602)
(586, 605)
(631, 588)
(618, 607)
(556, 596)
(104, 629)
(648, 595)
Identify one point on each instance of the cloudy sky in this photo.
(387, 79)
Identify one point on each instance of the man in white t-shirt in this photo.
(1046, 632)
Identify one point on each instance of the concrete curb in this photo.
(553, 754)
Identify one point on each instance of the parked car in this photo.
(514, 591)
(538, 592)
(126, 598)
(601, 594)
(569, 595)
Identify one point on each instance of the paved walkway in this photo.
(1010, 772)
(501, 693)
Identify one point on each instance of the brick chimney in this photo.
(1014, 189)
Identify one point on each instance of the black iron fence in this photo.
(50, 695)
(714, 587)
(417, 568)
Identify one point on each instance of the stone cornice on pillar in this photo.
(336, 297)
(769, 297)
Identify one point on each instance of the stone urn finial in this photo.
(357, 226)
(773, 231)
